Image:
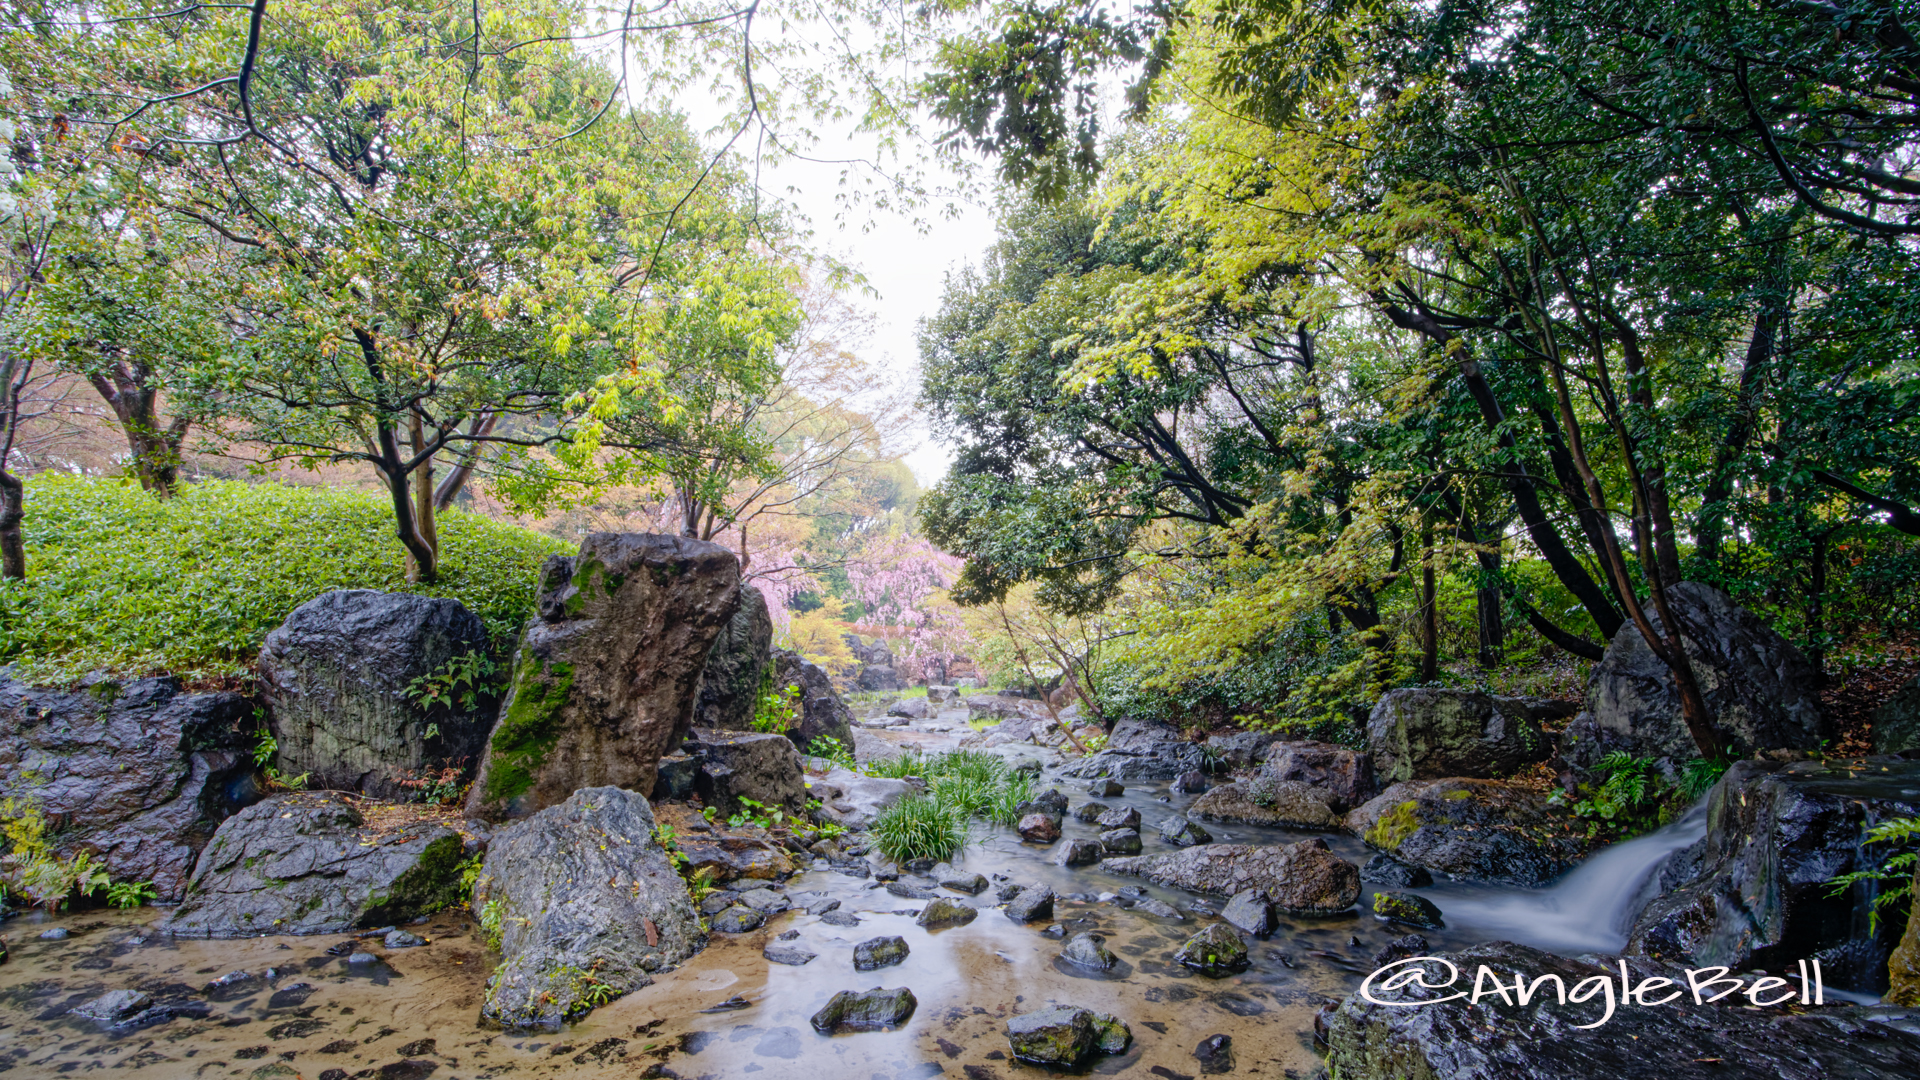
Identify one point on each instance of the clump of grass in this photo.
(919, 827)
(1017, 788)
(899, 767)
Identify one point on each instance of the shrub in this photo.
(919, 827)
(122, 582)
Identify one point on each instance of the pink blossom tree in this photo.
(902, 581)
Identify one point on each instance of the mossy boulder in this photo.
(1215, 952)
(604, 679)
(1407, 908)
(1473, 830)
(1426, 734)
(1304, 878)
(1265, 801)
(871, 1010)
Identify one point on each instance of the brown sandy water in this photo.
(414, 1015)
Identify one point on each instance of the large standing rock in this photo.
(1903, 967)
(604, 677)
(1304, 878)
(1243, 749)
(1475, 830)
(1896, 725)
(138, 773)
(1754, 890)
(741, 658)
(307, 864)
(1762, 692)
(1497, 1038)
(737, 765)
(823, 714)
(1425, 734)
(335, 676)
(586, 898)
(1267, 802)
(877, 670)
(1343, 773)
(1139, 750)
(852, 800)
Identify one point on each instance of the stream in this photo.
(413, 1014)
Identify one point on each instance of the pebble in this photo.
(58, 933)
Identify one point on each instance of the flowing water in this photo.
(414, 1014)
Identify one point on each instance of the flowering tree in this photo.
(902, 581)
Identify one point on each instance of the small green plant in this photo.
(493, 923)
(898, 767)
(919, 827)
(131, 894)
(756, 814)
(776, 710)
(1003, 808)
(1633, 796)
(1895, 870)
(442, 787)
(1699, 776)
(470, 876)
(265, 749)
(463, 684)
(29, 868)
(826, 746)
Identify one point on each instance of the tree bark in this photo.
(457, 476)
(155, 449)
(424, 564)
(1711, 524)
(13, 382)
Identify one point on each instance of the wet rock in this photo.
(1215, 952)
(840, 918)
(739, 661)
(1039, 828)
(937, 693)
(137, 773)
(1407, 908)
(913, 708)
(907, 890)
(1032, 904)
(922, 865)
(1078, 853)
(823, 714)
(1346, 775)
(292, 996)
(1008, 891)
(765, 901)
(1896, 724)
(1192, 782)
(401, 939)
(872, 1010)
(1475, 830)
(1242, 749)
(1159, 909)
(1051, 801)
(879, 952)
(1181, 832)
(1498, 1039)
(1425, 734)
(1761, 691)
(738, 765)
(964, 881)
(234, 984)
(1111, 1035)
(306, 864)
(718, 901)
(1121, 841)
(852, 800)
(814, 903)
(1121, 817)
(1400, 948)
(792, 955)
(1304, 878)
(335, 678)
(58, 933)
(1250, 911)
(738, 920)
(1215, 1054)
(1754, 892)
(362, 959)
(1061, 1036)
(1387, 870)
(604, 678)
(113, 1006)
(941, 911)
(1267, 802)
(1106, 789)
(1090, 811)
(582, 886)
(1085, 950)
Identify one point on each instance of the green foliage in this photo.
(119, 581)
(493, 924)
(898, 767)
(1633, 796)
(470, 869)
(131, 894)
(919, 827)
(832, 749)
(1002, 808)
(776, 710)
(756, 814)
(462, 684)
(1892, 879)
(265, 749)
(29, 868)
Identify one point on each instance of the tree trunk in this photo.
(13, 382)
(423, 501)
(1817, 603)
(457, 476)
(1429, 610)
(155, 450)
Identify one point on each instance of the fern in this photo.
(1896, 870)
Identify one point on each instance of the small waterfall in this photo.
(1591, 908)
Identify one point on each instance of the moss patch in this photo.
(530, 727)
(1394, 827)
(431, 884)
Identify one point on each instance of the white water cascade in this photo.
(1590, 909)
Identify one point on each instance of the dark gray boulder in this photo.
(1078, 852)
(1409, 908)
(823, 714)
(1119, 817)
(1031, 904)
(1265, 801)
(943, 912)
(1345, 774)
(879, 952)
(604, 677)
(1762, 692)
(1473, 830)
(1896, 724)
(1754, 892)
(877, 671)
(1139, 750)
(738, 919)
(740, 661)
(139, 773)
(1426, 734)
(587, 900)
(306, 864)
(1242, 749)
(1039, 828)
(1215, 952)
(1250, 911)
(1387, 870)
(871, 1010)
(1120, 841)
(1065, 1035)
(736, 765)
(336, 674)
(1496, 1038)
(1305, 878)
(1088, 951)
(1181, 832)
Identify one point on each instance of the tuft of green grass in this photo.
(1014, 790)
(898, 767)
(122, 582)
(919, 827)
